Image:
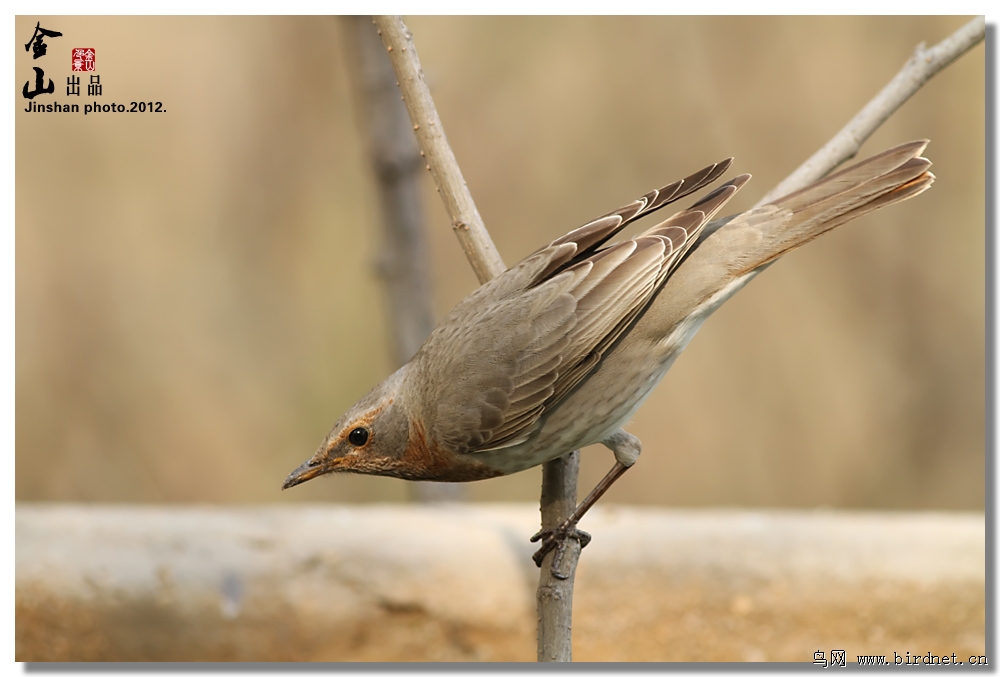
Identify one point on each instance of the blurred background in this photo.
(197, 301)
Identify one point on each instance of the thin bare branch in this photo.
(555, 588)
(402, 261)
(559, 477)
(465, 219)
(555, 593)
(921, 67)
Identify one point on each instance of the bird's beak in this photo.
(304, 472)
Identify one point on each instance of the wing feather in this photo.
(522, 341)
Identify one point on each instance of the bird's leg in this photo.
(626, 448)
(556, 538)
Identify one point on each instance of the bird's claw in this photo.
(556, 538)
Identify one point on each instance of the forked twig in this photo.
(555, 594)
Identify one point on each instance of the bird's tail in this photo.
(791, 221)
(731, 251)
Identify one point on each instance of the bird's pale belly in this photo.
(612, 394)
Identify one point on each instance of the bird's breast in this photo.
(424, 459)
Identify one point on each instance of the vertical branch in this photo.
(555, 596)
(555, 593)
(402, 259)
(559, 476)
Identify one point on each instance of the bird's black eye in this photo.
(358, 437)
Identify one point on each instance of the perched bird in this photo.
(559, 351)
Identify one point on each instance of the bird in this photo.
(560, 350)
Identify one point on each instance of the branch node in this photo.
(918, 69)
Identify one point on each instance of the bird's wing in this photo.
(590, 236)
(522, 341)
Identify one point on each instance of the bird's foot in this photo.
(556, 538)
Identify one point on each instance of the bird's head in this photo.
(370, 438)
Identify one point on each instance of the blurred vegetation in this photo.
(196, 299)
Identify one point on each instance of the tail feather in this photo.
(816, 218)
(846, 178)
(889, 177)
(898, 194)
(730, 251)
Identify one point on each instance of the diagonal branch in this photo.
(402, 262)
(441, 162)
(559, 481)
(921, 67)
(559, 476)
